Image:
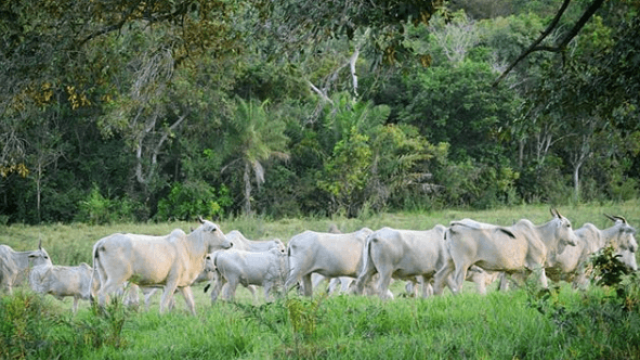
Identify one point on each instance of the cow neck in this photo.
(196, 246)
(21, 258)
(610, 235)
(546, 234)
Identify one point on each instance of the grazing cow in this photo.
(173, 261)
(522, 246)
(402, 254)
(572, 262)
(15, 265)
(62, 281)
(330, 255)
(233, 267)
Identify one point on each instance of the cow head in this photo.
(564, 231)
(624, 241)
(39, 257)
(209, 263)
(212, 236)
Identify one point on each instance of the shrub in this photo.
(191, 199)
(99, 210)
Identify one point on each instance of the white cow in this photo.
(15, 265)
(173, 261)
(572, 262)
(242, 243)
(233, 267)
(522, 246)
(402, 254)
(239, 241)
(330, 255)
(62, 281)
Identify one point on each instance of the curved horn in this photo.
(621, 218)
(40, 245)
(610, 217)
(553, 212)
(558, 213)
(200, 220)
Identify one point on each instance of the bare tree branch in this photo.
(562, 44)
(534, 46)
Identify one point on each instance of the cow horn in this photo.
(559, 215)
(621, 218)
(40, 245)
(200, 220)
(553, 212)
(610, 217)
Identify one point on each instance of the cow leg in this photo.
(230, 293)
(364, 278)
(252, 290)
(543, 279)
(148, 294)
(108, 288)
(188, 299)
(217, 288)
(169, 289)
(307, 285)
(444, 274)
(384, 282)
(504, 282)
(75, 304)
(460, 275)
(267, 291)
(333, 285)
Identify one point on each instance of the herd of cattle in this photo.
(362, 262)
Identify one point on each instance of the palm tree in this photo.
(253, 138)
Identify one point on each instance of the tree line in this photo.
(133, 111)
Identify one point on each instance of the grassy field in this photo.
(600, 323)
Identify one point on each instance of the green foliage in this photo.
(98, 210)
(188, 200)
(23, 326)
(31, 327)
(215, 93)
(347, 187)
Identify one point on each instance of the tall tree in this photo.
(252, 138)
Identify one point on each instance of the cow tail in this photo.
(94, 260)
(366, 252)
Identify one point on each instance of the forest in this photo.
(132, 110)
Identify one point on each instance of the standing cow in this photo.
(402, 254)
(330, 255)
(173, 261)
(62, 281)
(266, 268)
(15, 265)
(522, 246)
(571, 264)
(239, 241)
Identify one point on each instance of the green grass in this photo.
(599, 323)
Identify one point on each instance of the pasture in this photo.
(524, 323)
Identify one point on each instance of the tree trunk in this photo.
(247, 189)
(576, 180)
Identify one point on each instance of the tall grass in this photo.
(599, 323)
